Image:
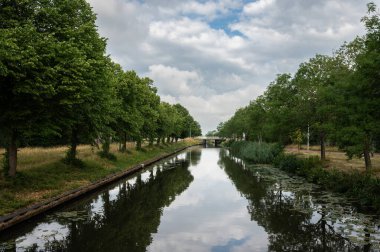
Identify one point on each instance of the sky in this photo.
(214, 56)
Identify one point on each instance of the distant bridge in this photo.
(213, 140)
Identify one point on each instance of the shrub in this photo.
(259, 153)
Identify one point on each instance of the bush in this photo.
(259, 153)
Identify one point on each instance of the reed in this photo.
(259, 153)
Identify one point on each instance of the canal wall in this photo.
(34, 210)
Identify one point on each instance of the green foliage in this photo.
(260, 153)
(55, 81)
(297, 137)
(336, 97)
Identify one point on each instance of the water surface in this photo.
(202, 200)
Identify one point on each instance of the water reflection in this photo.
(291, 212)
(118, 219)
(194, 156)
(202, 200)
(210, 215)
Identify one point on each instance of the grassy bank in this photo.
(363, 187)
(42, 174)
(353, 182)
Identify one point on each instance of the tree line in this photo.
(58, 86)
(335, 98)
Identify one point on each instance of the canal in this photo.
(202, 199)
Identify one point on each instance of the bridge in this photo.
(213, 140)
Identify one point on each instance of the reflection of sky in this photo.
(209, 216)
(40, 235)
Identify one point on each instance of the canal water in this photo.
(202, 199)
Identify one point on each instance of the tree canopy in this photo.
(57, 85)
(336, 97)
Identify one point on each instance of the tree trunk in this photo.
(106, 146)
(367, 159)
(168, 139)
(158, 140)
(323, 147)
(138, 144)
(176, 139)
(124, 143)
(12, 155)
(151, 140)
(72, 153)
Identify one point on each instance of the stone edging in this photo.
(23, 214)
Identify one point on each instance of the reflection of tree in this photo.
(289, 229)
(128, 222)
(194, 155)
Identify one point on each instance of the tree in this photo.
(315, 81)
(26, 80)
(147, 104)
(53, 73)
(82, 104)
(361, 109)
(129, 120)
(278, 102)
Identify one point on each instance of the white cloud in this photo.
(171, 81)
(258, 7)
(212, 109)
(193, 51)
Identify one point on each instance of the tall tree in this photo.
(361, 111)
(26, 80)
(52, 71)
(315, 81)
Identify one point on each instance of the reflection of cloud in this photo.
(114, 192)
(41, 234)
(209, 213)
(185, 200)
(230, 245)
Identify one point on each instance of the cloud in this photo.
(214, 56)
(174, 82)
(211, 110)
(258, 7)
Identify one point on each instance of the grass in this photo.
(338, 160)
(42, 174)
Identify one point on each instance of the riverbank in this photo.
(352, 182)
(43, 175)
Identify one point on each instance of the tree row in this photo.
(57, 85)
(330, 100)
